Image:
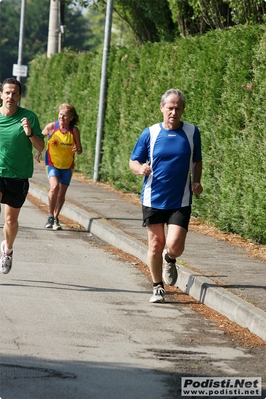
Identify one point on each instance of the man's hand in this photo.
(26, 126)
(196, 188)
(145, 169)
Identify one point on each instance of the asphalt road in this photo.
(76, 322)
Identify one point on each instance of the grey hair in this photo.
(179, 94)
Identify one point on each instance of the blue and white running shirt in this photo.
(171, 154)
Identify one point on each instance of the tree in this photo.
(35, 32)
(134, 21)
(251, 12)
(122, 34)
(149, 20)
(9, 16)
(96, 23)
(199, 16)
(163, 20)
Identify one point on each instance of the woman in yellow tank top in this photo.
(62, 145)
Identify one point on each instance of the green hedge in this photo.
(223, 77)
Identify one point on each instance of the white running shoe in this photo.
(6, 260)
(169, 271)
(158, 294)
(56, 225)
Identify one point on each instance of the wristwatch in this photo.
(32, 134)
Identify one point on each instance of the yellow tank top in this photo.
(59, 148)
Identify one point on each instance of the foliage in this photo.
(96, 23)
(35, 32)
(134, 22)
(9, 16)
(163, 20)
(121, 33)
(247, 11)
(199, 16)
(82, 3)
(150, 20)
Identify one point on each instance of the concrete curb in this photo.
(223, 301)
(199, 287)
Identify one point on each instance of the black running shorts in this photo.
(14, 191)
(179, 217)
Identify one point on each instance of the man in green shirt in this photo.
(19, 132)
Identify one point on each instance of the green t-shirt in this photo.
(16, 158)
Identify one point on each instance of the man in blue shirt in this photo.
(168, 155)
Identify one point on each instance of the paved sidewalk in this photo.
(116, 219)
